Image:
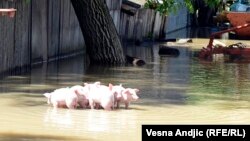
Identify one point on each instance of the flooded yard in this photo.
(173, 90)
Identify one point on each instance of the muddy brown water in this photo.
(173, 90)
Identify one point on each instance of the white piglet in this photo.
(101, 95)
(62, 98)
(82, 94)
(127, 96)
(117, 91)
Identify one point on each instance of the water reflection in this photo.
(30, 137)
(173, 90)
(60, 118)
(220, 81)
(202, 32)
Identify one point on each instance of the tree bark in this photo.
(101, 38)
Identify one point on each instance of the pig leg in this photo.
(91, 104)
(117, 104)
(83, 103)
(106, 107)
(86, 103)
(55, 104)
(97, 106)
(107, 104)
(72, 104)
(59, 104)
(126, 105)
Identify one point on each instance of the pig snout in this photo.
(135, 97)
(134, 94)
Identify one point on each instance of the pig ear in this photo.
(126, 91)
(120, 85)
(47, 95)
(110, 86)
(85, 84)
(136, 90)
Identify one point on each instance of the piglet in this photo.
(117, 91)
(62, 98)
(127, 96)
(82, 95)
(101, 95)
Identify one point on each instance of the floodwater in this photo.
(173, 90)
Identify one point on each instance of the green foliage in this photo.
(164, 7)
(27, 1)
(151, 4)
(168, 6)
(189, 5)
(213, 3)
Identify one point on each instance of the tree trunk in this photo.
(101, 38)
(205, 13)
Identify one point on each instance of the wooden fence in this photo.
(146, 23)
(44, 30)
(149, 24)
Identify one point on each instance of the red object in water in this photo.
(239, 18)
(242, 52)
(10, 12)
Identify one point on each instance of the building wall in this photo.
(176, 21)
